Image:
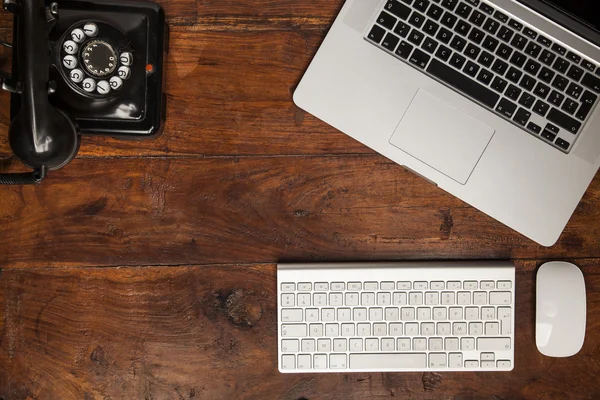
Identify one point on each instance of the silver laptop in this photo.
(494, 101)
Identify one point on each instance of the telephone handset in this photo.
(82, 67)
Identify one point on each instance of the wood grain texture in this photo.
(210, 333)
(157, 211)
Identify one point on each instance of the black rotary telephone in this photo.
(82, 67)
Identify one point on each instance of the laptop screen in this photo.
(583, 10)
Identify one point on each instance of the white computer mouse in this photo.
(560, 309)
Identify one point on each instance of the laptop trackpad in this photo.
(442, 136)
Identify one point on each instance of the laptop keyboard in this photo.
(520, 74)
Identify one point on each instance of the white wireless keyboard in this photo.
(385, 317)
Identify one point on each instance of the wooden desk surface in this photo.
(145, 270)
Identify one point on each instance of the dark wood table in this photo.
(146, 270)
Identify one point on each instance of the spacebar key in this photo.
(463, 84)
(380, 361)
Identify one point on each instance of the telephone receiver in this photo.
(82, 67)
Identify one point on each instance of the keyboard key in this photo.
(421, 5)
(386, 20)
(472, 51)
(518, 59)
(505, 34)
(534, 128)
(458, 43)
(443, 53)
(588, 65)
(444, 35)
(291, 315)
(522, 117)
(294, 330)
(416, 19)
(563, 144)
(416, 37)
(519, 42)
(570, 106)
(559, 49)
(485, 76)
(499, 85)
(541, 108)
(504, 51)
(493, 344)
(532, 67)
(552, 128)
(435, 12)
(574, 90)
(564, 121)
(491, 26)
(575, 73)
(471, 69)
(544, 41)
(512, 93)
(529, 32)
(288, 300)
(528, 83)
(490, 43)
(448, 20)
(546, 75)
(556, 98)
(430, 27)
(515, 24)
(464, 10)
(574, 57)
(547, 57)
(541, 90)
(288, 287)
(476, 36)
(288, 362)
(588, 99)
(514, 75)
(376, 34)
(500, 298)
(500, 67)
(457, 61)
(398, 9)
(561, 65)
(486, 8)
(449, 4)
(592, 82)
(419, 58)
(404, 49)
(390, 42)
(527, 100)
(462, 28)
(367, 361)
(560, 82)
(402, 29)
(485, 59)
(403, 285)
(354, 286)
(506, 108)
(430, 45)
(477, 18)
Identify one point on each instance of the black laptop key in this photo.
(532, 67)
(464, 10)
(435, 12)
(522, 117)
(534, 128)
(457, 61)
(561, 65)
(531, 33)
(518, 59)
(570, 106)
(515, 24)
(588, 99)
(490, 43)
(430, 27)
(390, 42)
(448, 20)
(556, 98)
(574, 57)
(591, 82)
(486, 8)
(501, 16)
(514, 75)
(477, 18)
(541, 90)
(549, 136)
(476, 36)
(460, 82)
(444, 35)
(472, 51)
(564, 121)
(574, 90)
(588, 65)
(485, 76)
(500, 67)
(474, 3)
(402, 29)
(562, 144)
(528, 82)
(430, 45)
(519, 42)
(575, 73)
(449, 4)
(552, 128)
(505, 34)
(506, 108)
(547, 57)
(471, 69)
(416, 37)
(559, 49)
(533, 49)
(398, 9)
(421, 5)
(560, 82)
(462, 28)
(513, 92)
(458, 43)
(491, 26)
(404, 49)
(541, 108)
(419, 58)
(443, 53)
(546, 75)
(499, 84)
(376, 34)
(486, 59)
(387, 20)
(544, 41)
(527, 100)
(504, 51)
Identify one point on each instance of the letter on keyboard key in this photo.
(493, 344)
(293, 330)
(388, 361)
(291, 315)
(500, 298)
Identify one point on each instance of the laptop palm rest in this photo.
(442, 136)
